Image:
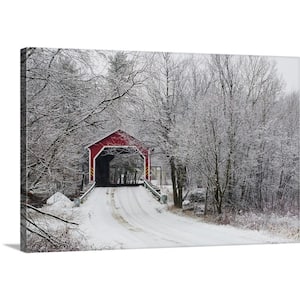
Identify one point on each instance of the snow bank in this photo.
(63, 235)
(287, 226)
(59, 200)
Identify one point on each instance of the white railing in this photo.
(161, 197)
(81, 198)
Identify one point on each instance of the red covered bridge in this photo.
(103, 151)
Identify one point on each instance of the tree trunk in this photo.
(181, 178)
(218, 199)
(173, 178)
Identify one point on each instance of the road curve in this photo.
(129, 217)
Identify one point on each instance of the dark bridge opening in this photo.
(119, 166)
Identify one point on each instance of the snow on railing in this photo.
(81, 198)
(161, 197)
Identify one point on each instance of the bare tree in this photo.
(68, 100)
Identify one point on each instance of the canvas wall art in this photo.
(127, 149)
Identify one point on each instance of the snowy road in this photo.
(129, 217)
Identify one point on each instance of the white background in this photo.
(235, 27)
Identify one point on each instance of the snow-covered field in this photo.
(129, 217)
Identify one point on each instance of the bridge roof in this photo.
(118, 138)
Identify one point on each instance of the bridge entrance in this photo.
(118, 159)
(117, 166)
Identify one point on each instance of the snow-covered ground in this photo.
(129, 217)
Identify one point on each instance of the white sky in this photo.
(289, 68)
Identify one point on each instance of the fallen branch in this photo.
(47, 214)
(41, 230)
(40, 235)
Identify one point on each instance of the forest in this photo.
(221, 122)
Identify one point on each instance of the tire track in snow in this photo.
(145, 238)
(132, 212)
(161, 217)
(118, 216)
(168, 224)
